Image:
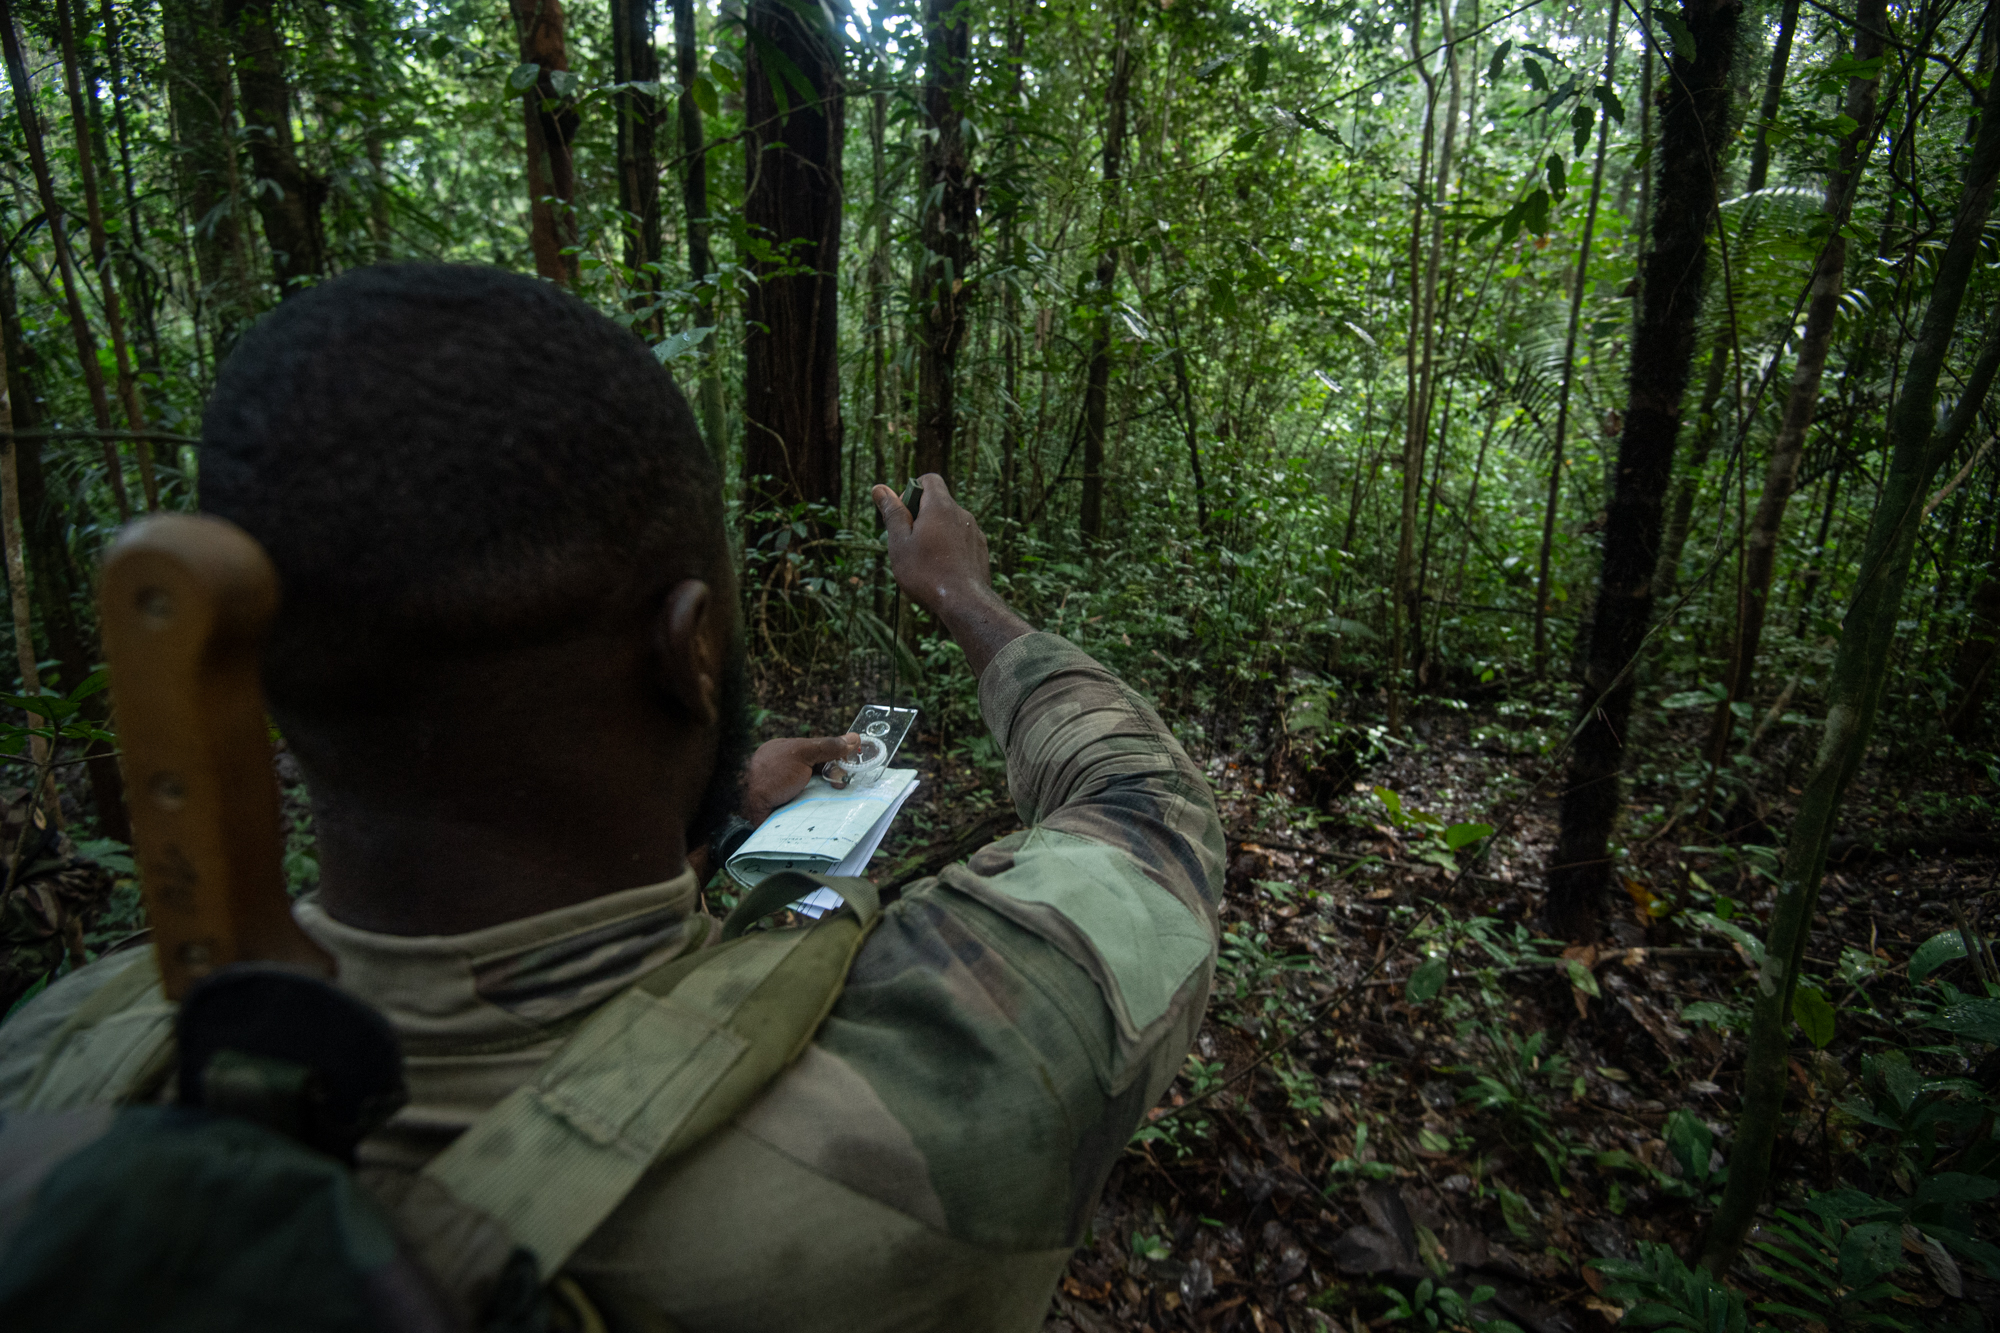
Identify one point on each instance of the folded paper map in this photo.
(826, 831)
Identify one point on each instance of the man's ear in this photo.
(688, 640)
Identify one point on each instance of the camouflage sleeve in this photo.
(1007, 1025)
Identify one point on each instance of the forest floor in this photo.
(1399, 1086)
(1334, 1151)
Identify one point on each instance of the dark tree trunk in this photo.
(45, 188)
(945, 231)
(792, 202)
(635, 60)
(203, 115)
(290, 204)
(694, 198)
(49, 567)
(100, 254)
(1097, 380)
(1972, 667)
(1760, 556)
(1694, 117)
(549, 122)
(1774, 87)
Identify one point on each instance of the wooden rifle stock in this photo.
(185, 603)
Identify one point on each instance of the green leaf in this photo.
(1535, 212)
(1320, 127)
(1583, 979)
(1609, 101)
(1682, 38)
(1955, 1187)
(1558, 174)
(1815, 1015)
(1581, 121)
(1246, 141)
(1499, 62)
(1427, 981)
(1947, 946)
(523, 77)
(677, 345)
(1208, 69)
(1691, 1142)
(1536, 78)
(1869, 1251)
(703, 93)
(1709, 1012)
(564, 82)
(1460, 836)
(1260, 67)
(1391, 802)
(1971, 1017)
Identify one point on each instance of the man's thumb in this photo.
(827, 749)
(894, 516)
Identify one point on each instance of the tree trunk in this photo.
(947, 218)
(43, 523)
(1420, 353)
(1010, 304)
(86, 341)
(879, 278)
(1097, 378)
(288, 199)
(202, 113)
(140, 284)
(1680, 510)
(694, 199)
(1854, 692)
(549, 121)
(1760, 557)
(1972, 666)
(792, 199)
(100, 256)
(1569, 361)
(635, 60)
(1694, 116)
(1774, 86)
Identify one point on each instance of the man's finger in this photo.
(896, 518)
(827, 749)
(935, 490)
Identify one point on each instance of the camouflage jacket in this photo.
(937, 1152)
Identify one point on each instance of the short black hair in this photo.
(443, 458)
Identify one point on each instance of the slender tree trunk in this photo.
(636, 61)
(1694, 124)
(1972, 666)
(1434, 202)
(1760, 558)
(1010, 303)
(86, 341)
(792, 198)
(143, 289)
(1097, 378)
(549, 121)
(945, 228)
(202, 112)
(50, 568)
(1917, 447)
(288, 199)
(1542, 590)
(1774, 87)
(1415, 355)
(879, 278)
(1185, 386)
(1680, 509)
(100, 255)
(694, 199)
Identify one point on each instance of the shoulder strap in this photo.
(654, 1072)
(81, 1066)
